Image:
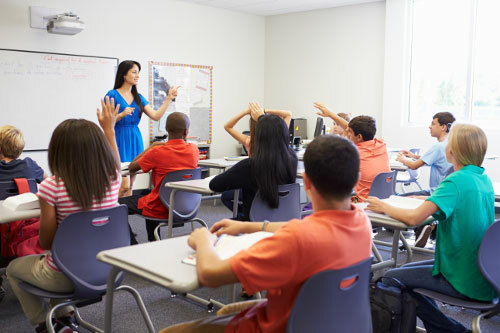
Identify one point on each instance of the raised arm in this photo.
(285, 114)
(229, 127)
(107, 121)
(409, 216)
(326, 112)
(157, 114)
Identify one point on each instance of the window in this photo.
(454, 60)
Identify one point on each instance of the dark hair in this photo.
(176, 123)
(445, 118)
(332, 164)
(273, 161)
(364, 125)
(123, 69)
(253, 126)
(80, 155)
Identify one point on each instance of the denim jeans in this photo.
(418, 275)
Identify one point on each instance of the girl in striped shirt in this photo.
(85, 165)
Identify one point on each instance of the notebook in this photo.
(22, 202)
(227, 245)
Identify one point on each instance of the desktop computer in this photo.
(298, 128)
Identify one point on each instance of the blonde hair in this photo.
(468, 143)
(11, 141)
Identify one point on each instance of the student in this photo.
(272, 163)
(132, 105)
(336, 235)
(435, 157)
(161, 158)
(337, 129)
(464, 206)
(372, 151)
(69, 190)
(11, 166)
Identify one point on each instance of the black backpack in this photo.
(393, 308)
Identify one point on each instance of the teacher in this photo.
(132, 106)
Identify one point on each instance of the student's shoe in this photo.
(69, 321)
(59, 327)
(423, 236)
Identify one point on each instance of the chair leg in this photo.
(376, 253)
(86, 324)
(50, 315)
(140, 304)
(157, 230)
(420, 187)
(192, 226)
(200, 221)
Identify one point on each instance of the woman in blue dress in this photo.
(132, 106)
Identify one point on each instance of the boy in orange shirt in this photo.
(336, 235)
(372, 151)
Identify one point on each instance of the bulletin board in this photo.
(194, 97)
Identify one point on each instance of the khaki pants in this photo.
(34, 270)
(215, 324)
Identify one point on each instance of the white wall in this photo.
(161, 31)
(335, 56)
(394, 125)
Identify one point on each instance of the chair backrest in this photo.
(9, 188)
(288, 207)
(488, 256)
(78, 240)
(383, 185)
(325, 305)
(414, 174)
(186, 204)
(449, 171)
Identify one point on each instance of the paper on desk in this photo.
(227, 245)
(22, 202)
(235, 158)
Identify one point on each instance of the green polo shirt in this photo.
(466, 209)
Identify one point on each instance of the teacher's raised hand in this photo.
(172, 93)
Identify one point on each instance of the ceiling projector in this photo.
(64, 24)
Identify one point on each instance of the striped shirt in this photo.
(55, 194)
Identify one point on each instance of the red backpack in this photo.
(20, 238)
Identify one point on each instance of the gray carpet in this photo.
(165, 311)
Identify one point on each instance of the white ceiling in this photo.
(276, 7)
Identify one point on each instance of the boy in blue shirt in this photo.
(11, 166)
(435, 157)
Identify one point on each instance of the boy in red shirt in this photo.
(336, 235)
(161, 158)
(372, 151)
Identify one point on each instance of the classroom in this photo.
(359, 57)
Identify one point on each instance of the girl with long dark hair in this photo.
(272, 163)
(132, 106)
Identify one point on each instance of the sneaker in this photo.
(424, 236)
(69, 321)
(59, 327)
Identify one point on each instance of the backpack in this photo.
(19, 238)
(393, 309)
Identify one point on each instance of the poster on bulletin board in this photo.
(194, 97)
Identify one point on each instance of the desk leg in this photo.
(110, 289)
(395, 246)
(235, 202)
(171, 213)
(409, 252)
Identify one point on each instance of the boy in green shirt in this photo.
(464, 206)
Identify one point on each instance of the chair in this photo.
(411, 175)
(488, 265)
(323, 305)
(288, 208)
(9, 188)
(383, 185)
(78, 240)
(186, 204)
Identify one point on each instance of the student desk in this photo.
(384, 220)
(7, 215)
(217, 163)
(159, 262)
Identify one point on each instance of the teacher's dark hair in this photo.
(123, 69)
(273, 161)
(80, 155)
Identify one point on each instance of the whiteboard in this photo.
(40, 90)
(194, 97)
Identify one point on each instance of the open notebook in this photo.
(227, 245)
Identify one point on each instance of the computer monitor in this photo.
(319, 127)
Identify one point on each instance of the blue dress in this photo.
(128, 135)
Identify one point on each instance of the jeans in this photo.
(418, 275)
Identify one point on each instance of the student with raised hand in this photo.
(132, 106)
(272, 163)
(11, 166)
(463, 204)
(161, 158)
(435, 157)
(76, 146)
(336, 235)
(372, 151)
